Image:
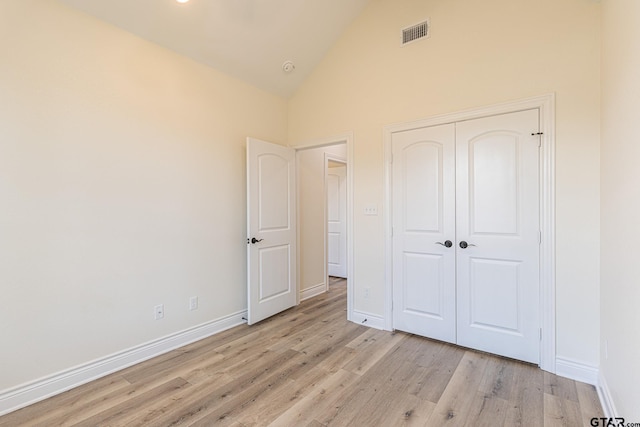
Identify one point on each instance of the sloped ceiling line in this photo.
(248, 39)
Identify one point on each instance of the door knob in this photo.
(464, 244)
(446, 243)
(254, 240)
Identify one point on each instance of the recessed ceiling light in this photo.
(182, 1)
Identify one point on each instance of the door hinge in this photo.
(392, 231)
(539, 139)
(540, 334)
(540, 237)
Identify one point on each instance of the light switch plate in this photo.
(371, 210)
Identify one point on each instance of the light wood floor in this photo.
(310, 367)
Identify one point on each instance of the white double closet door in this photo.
(475, 184)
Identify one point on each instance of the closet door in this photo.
(498, 226)
(424, 291)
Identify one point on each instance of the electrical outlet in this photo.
(159, 311)
(193, 303)
(366, 293)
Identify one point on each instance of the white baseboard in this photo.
(606, 400)
(367, 319)
(35, 391)
(313, 291)
(577, 370)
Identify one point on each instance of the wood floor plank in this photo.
(589, 403)
(324, 396)
(561, 412)
(325, 301)
(338, 359)
(365, 340)
(69, 402)
(409, 411)
(202, 400)
(158, 366)
(439, 362)
(309, 366)
(395, 404)
(379, 346)
(263, 391)
(299, 371)
(364, 395)
(311, 343)
(498, 378)
(298, 336)
(486, 410)
(267, 410)
(526, 401)
(456, 401)
(326, 346)
(109, 416)
(560, 387)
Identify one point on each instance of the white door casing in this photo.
(545, 104)
(497, 214)
(475, 184)
(271, 221)
(337, 221)
(423, 221)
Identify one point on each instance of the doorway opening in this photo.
(287, 223)
(336, 218)
(325, 243)
(322, 217)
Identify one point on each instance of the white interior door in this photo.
(498, 215)
(271, 229)
(474, 184)
(424, 293)
(337, 221)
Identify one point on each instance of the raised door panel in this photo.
(274, 181)
(274, 272)
(422, 182)
(425, 297)
(494, 164)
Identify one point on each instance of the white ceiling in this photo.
(249, 39)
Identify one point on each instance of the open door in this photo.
(271, 229)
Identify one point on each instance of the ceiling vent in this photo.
(416, 32)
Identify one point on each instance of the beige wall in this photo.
(620, 291)
(311, 180)
(122, 167)
(479, 53)
(122, 182)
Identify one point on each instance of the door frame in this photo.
(347, 139)
(327, 158)
(546, 106)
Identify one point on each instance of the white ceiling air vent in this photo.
(416, 32)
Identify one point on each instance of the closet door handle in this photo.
(447, 243)
(464, 244)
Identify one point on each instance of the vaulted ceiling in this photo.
(249, 39)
